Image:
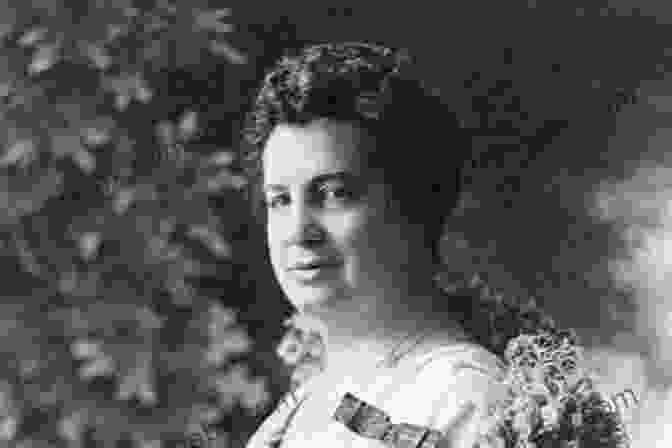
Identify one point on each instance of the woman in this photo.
(356, 166)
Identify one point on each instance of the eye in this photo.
(335, 192)
(277, 200)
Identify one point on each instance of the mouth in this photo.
(312, 265)
(312, 270)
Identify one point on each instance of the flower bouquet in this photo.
(550, 399)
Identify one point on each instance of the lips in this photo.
(312, 264)
(312, 271)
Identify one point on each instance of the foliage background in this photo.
(123, 313)
(138, 300)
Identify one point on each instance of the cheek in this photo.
(274, 245)
(359, 236)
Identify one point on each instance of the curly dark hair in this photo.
(419, 146)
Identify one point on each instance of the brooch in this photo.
(373, 423)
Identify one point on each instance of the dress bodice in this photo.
(443, 386)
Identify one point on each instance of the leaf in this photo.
(127, 88)
(220, 317)
(88, 244)
(143, 94)
(138, 381)
(16, 202)
(225, 179)
(227, 343)
(65, 143)
(476, 281)
(121, 101)
(85, 349)
(21, 151)
(159, 249)
(79, 284)
(205, 416)
(131, 12)
(165, 131)
(209, 20)
(115, 31)
(255, 395)
(32, 36)
(5, 89)
(234, 56)
(72, 426)
(5, 29)
(98, 55)
(73, 320)
(44, 58)
(100, 366)
(211, 239)
(27, 257)
(94, 136)
(123, 199)
(148, 319)
(6, 405)
(167, 6)
(222, 158)
(236, 386)
(85, 160)
(188, 125)
(8, 19)
(8, 428)
(154, 51)
(181, 293)
(225, 339)
(151, 444)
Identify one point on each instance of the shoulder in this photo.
(461, 372)
(452, 387)
(459, 357)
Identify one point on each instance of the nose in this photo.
(305, 227)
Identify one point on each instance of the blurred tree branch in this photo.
(107, 212)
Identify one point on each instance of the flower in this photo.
(550, 415)
(303, 347)
(552, 400)
(576, 419)
(523, 423)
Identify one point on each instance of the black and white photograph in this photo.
(294, 224)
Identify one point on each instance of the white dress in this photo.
(445, 386)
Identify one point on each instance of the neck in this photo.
(373, 331)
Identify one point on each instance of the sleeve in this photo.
(468, 385)
(271, 432)
(462, 411)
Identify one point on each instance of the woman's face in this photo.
(330, 237)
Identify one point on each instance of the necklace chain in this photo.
(395, 355)
(307, 325)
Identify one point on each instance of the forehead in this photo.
(296, 153)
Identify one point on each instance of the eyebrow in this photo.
(319, 179)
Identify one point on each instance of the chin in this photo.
(312, 298)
